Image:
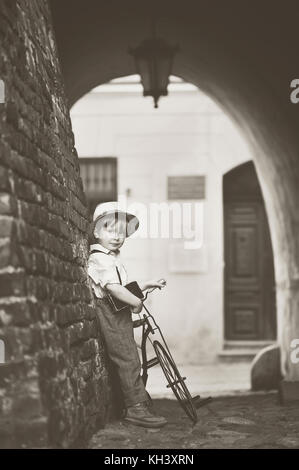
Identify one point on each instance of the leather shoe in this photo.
(140, 415)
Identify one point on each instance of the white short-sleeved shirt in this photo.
(102, 269)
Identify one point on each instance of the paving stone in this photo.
(225, 426)
(289, 442)
(238, 420)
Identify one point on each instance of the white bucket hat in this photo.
(109, 208)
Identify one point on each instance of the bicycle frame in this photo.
(148, 329)
(175, 380)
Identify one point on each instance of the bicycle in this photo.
(164, 357)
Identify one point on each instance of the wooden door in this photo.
(249, 275)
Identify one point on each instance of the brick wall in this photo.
(53, 385)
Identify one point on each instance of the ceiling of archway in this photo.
(240, 53)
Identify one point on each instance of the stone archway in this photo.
(247, 72)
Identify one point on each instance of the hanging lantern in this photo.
(154, 59)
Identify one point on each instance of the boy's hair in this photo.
(112, 220)
(129, 224)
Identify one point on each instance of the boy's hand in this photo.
(152, 284)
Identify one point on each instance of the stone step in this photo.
(241, 351)
(247, 344)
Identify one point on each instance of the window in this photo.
(99, 176)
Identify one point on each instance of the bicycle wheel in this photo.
(175, 381)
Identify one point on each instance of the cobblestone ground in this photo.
(239, 422)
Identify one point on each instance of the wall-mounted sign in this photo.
(186, 187)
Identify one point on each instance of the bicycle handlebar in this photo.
(151, 290)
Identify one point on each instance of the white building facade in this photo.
(155, 149)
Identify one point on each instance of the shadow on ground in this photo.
(239, 422)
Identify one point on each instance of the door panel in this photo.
(249, 276)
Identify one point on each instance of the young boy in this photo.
(110, 228)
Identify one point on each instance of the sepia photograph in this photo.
(149, 227)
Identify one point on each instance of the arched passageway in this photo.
(246, 71)
(128, 150)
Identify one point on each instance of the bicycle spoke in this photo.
(175, 381)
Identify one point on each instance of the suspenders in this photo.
(116, 305)
(117, 270)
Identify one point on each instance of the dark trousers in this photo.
(117, 330)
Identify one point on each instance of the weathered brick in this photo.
(14, 372)
(4, 177)
(8, 205)
(31, 432)
(87, 391)
(12, 115)
(27, 404)
(47, 314)
(85, 369)
(18, 342)
(12, 283)
(7, 226)
(90, 348)
(15, 313)
(53, 366)
(5, 252)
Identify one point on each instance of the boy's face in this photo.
(111, 234)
